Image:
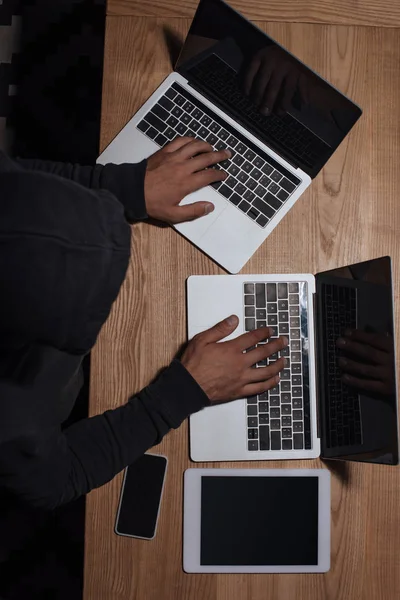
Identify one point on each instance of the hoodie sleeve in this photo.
(125, 181)
(56, 467)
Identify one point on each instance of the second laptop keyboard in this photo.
(257, 184)
(279, 419)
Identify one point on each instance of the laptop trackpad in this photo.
(194, 230)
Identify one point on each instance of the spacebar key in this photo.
(264, 437)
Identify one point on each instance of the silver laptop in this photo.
(237, 88)
(321, 405)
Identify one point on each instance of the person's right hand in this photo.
(224, 370)
(172, 173)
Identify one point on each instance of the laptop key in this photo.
(235, 199)
(185, 118)
(176, 111)
(181, 129)
(276, 176)
(231, 181)
(234, 170)
(223, 134)
(143, 126)
(272, 201)
(262, 220)
(237, 159)
(250, 155)
(249, 300)
(267, 169)
(160, 112)
(172, 121)
(225, 191)
(263, 419)
(212, 139)
(265, 181)
(263, 407)
(166, 103)
(258, 162)
(256, 174)
(260, 191)
(252, 410)
(188, 106)
(251, 184)
(205, 120)
(275, 440)
(232, 141)
(241, 148)
(156, 122)
(197, 114)
(170, 133)
(263, 207)
(252, 434)
(249, 324)
(152, 133)
(179, 100)
(286, 444)
(260, 295)
(264, 437)
(298, 441)
(273, 187)
(282, 195)
(249, 311)
(249, 196)
(282, 290)
(252, 445)
(248, 167)
(214, 127)
(195, 125)
(287, 185)
(253, 214)
(240, 189)
(286, 409)
(243, 177)
(161, 140)
(170, 93)
(244, 206)
(203, 133)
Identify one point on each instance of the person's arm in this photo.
(54, 468)
(125, 182)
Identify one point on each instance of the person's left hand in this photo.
(180, 168)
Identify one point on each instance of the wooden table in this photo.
(350, 213)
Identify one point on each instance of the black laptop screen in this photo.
(264, 87)
(356, 343)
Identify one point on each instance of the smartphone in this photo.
(140, 499)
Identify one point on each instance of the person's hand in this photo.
(180, 168)
(272, 80)
(224, 370)
(368, 363)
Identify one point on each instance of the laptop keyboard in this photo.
(279, 419)
(216, 75)
(257, 185)
(343, 413)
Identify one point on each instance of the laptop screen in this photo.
(356, 360)
(264, 87)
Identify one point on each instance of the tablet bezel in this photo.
(192, 520)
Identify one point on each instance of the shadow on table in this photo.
(339, 468)
(174, 44)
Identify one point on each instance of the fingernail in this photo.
(228, 153)
(341, 342)
(277, 378)
(270, 331)
(285, 341)
(232, 320)
(208, 208)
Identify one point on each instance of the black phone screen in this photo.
(141, 496)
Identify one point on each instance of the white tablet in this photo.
(257, 521)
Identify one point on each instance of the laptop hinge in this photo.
(317, 382)
(210, 98)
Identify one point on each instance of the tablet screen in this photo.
(259, 521)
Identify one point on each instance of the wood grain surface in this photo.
(351, 212)
(376, 13)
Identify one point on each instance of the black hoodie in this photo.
(64, 251)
